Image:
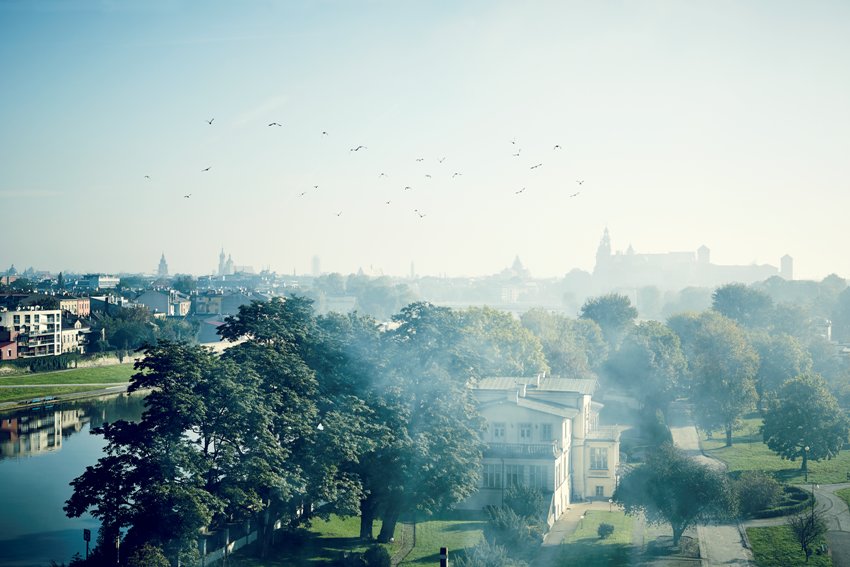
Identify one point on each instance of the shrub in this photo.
(795, 499)
(757, 491)
(487, 554)
(510, 529)
(526, 501)
(604, 530)
(376, 556)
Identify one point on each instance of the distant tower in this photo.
(228, 266)
(703, 254)
(603, 253)
(786, 267)
(221, 264)
(162, 270)
(317, 267)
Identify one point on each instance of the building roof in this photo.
(545, 406)
(548, 384)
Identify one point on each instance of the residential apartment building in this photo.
(77, 306)
(170, 303)
(544, 433)
(74, 335)
(99, 281)
(38, 331)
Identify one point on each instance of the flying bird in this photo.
(421, 214)
(580, 181)
(147, 177)
(315, 186)
(382, 174)
(339, 213)
(420, 159)
(388, 202)
(302, 193)
(557, 147)
(518, 152)
(441, 160)
(520, 191)
(575, 194)
(513, 141)
(187, 196)
(455, 174)
(207, 169)
(275, 124)
(210, 121)
(408, 188)
(358, 148)
(428, 175)
(324, 133)
(535, 166)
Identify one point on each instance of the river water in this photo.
(41, 451)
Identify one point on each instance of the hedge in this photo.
(801, 499)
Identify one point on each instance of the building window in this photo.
(546, 432)
(513, 475)
(600, 491)
(499, 431)
(36, 318)
(525, 431)
(492, 477)
(599, 458)
(537, 477)
(27, 319)
(16, 319)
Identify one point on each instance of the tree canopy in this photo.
(614, 313)
(746, 306)
(804, 421)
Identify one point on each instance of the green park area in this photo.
(776, 545)
(585, 547)
(105, 375)
(749, 453)
(327, 541)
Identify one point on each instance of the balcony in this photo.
(523, 450)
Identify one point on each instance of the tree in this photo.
(504, 346)
(781, 357)
(724, 367)
(674, 489)
(185, 284)
(744, 305)
(808, 527)
(571, 347)
(148, 556)
(804, 421)
(613, 313)
(650, 362)
(431, 455)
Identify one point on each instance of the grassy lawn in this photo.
(327, 541)
(97, 375)
(748, 452)
(844, 494)
(21, 394)
(585, 547)
(776, 545)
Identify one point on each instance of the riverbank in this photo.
(30, 390)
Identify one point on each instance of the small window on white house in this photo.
(546, 432)
(514, 475)
(492, 477)
(525, 431)
(600, 491)
(498, 431)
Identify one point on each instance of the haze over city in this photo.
(500, 128)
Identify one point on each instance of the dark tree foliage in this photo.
(804, 421)
(504, 346)
(614, 314)
(781, 357)
(672, 488)
(744, 305)
(808, 527)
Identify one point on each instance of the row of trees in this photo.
(304, 416)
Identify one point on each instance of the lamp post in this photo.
(806, 462)
(610, 504)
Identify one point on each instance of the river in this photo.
(41, 451)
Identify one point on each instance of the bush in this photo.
(794, 500)
(757, 491)
(604, 530)
(377, 556)
(526, 501)
(509, 529)
(487, 554)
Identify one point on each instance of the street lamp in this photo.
(610, 504)
(806, 462)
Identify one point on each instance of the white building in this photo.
(544, 433)
(38, 331)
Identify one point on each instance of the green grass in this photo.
(96, 375)
(844, 494)
(327, 540)
(748, 452)
(23, 394)
(775, 545)
(585, 547)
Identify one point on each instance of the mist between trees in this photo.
(310, 416)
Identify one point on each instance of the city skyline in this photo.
(486, 130)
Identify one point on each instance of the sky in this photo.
(717, 123)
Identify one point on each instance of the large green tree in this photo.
(614, 313)
(572, 347)
(503, 345)
(672, 488)
(781, 357)
(723, 367)
(746, 306)
(804, 421)
(650, 363)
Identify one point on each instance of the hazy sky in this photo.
(700, 122)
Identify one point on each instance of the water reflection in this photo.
(40, 454)
(37, 430)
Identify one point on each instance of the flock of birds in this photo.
(419, 213)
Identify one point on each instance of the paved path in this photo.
(563, 528)
(719, 545)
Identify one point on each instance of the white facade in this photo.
(544, 434)
(39, 331)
